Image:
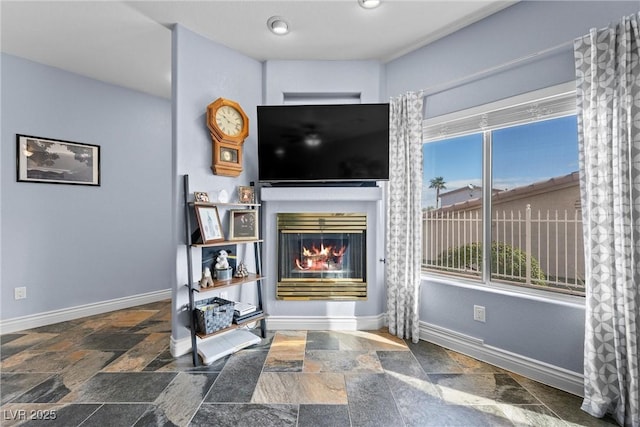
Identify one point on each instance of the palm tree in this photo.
(439, 184)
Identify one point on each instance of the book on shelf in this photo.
(247, 317)
(243, 308)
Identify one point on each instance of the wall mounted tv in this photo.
(323, 143)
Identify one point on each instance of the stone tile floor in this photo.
(115, 369)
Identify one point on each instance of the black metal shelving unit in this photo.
(196, 293)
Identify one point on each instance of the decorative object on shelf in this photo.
(224, 274)
(56, 161)
(241, 271)
(223, 196)
(222, 269)
(243, 225)
(210, 254)
(214, 314)
(209, 223)
(200, 196)
(246, 194)
(229, 127)
(207, 280)
(222, 261)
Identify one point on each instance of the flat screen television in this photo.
(323, 143)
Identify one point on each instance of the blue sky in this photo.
(521, 155)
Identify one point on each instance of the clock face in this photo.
(229, 120)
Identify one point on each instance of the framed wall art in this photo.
(246, 194)
(243, 224)
(209, 223)
(201, 196)
(56, 161)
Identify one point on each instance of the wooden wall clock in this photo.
(229, 127)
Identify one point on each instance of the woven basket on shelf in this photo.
(213, 314)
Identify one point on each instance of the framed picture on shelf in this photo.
(246, 194)
(209, 223)
(243, 224)
(201, 196)
(56, 161)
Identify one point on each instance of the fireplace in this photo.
(321, 256)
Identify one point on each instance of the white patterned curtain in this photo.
(404, 215)
(608, 100)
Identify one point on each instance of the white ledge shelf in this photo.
(333, 194)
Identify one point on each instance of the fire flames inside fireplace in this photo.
(321, 259)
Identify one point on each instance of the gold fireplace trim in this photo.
(301, 289)
(321, 222)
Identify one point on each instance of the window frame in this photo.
(544, 104)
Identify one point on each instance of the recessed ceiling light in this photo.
(369, 4)
(277, 25)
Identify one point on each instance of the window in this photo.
(506, 174)
(452, 205)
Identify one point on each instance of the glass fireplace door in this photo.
(322, 256)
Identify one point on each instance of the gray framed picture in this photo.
(55, 161)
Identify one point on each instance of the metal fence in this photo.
(539, 249)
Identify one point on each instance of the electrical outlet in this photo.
(20, 293)
(479, 313)
(224, 295)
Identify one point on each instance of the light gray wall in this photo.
(322, 77)
(551, 332)
(445, 68)
(202, 72)
(73, 245)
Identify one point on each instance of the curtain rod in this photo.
(441, 87)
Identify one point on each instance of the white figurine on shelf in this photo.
(222, 261)
(223, 270)
(207, 280)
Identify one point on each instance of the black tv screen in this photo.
(323, 143)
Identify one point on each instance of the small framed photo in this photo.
(246, 194)
(209, 223)
(243, 224)
(56, 161)
(200, 196)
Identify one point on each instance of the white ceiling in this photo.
(128, 43)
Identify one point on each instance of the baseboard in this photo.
(326, 323)
(563, 379)
(179, 347)
(50, 317)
